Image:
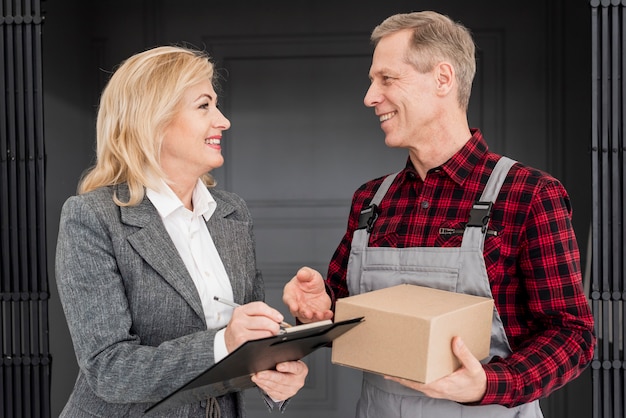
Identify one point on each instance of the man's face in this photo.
(402, 97)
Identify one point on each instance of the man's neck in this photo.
(438, 148)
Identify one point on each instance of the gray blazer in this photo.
(132, 309)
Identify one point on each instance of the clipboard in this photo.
(233, 372)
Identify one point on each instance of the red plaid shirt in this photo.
(532, 263)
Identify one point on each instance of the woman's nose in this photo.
(223, 122)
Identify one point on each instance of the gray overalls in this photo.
(459, 270)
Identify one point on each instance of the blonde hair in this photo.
(435, 38)
(136, 105)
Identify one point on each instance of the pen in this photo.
(236, 305)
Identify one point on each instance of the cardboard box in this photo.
(408, 331)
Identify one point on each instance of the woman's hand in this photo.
(284, 382)
(250, 322)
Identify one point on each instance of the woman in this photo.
(145, 246)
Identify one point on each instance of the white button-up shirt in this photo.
(193, 241)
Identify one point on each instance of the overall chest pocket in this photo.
(437, 268)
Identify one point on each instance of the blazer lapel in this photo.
(225, 234)
(154, 245)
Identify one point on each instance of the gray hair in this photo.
(436, 37)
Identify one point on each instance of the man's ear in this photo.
(445, 77)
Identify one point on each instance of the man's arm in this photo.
(561, 340)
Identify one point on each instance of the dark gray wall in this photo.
(541, 69)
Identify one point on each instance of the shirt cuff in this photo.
(272, 404)
(219, 345)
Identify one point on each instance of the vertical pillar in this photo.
(25, 358)
(608, 284)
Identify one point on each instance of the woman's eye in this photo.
(204, 106)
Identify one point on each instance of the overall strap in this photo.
(498, 175)
(481, 210)
(369, 215)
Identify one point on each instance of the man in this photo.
(463, 219)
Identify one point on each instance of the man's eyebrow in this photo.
(378, 72)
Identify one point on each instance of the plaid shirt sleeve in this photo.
(556, 342)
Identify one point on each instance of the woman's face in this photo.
(192, 142)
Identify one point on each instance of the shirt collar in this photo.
(461, 164)
(166, 202)
(203, 202)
